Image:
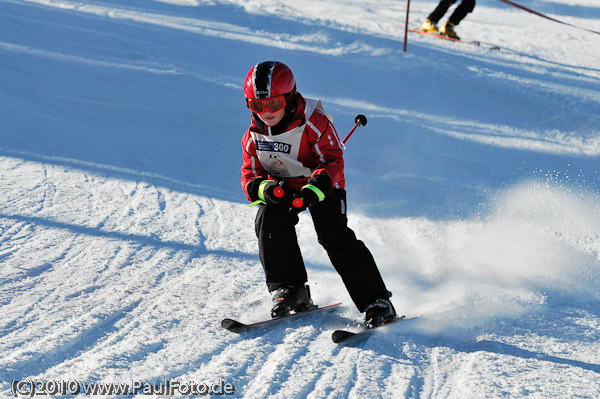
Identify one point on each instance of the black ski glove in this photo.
(252, 188)
(270, 192)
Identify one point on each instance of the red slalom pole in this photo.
(406, 25)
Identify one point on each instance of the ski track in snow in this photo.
(117, 262)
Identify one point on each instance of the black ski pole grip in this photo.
(360, 119)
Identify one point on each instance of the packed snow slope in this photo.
(125, 237)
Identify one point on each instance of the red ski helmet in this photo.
(269, 79)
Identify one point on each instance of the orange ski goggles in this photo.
(262, 105)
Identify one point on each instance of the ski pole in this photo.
(359, 120)
(297, 202)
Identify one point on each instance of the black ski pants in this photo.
(282, 261)
(465, 7)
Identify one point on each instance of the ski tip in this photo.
(346, 337)
(341, 336)
(231, 325)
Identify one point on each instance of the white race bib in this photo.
(279, 154)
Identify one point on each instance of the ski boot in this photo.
(379, 312)
(428, 26)
(287, 299)
(448, 30)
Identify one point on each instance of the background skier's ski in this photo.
(440, 36)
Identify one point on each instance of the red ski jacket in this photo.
(308, 145)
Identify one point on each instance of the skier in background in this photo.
(292, 150)
(430, 25)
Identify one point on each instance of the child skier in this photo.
(292, 150)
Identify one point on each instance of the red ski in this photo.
(434, 35)
(441, 36)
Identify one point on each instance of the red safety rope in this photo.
(512, 3)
